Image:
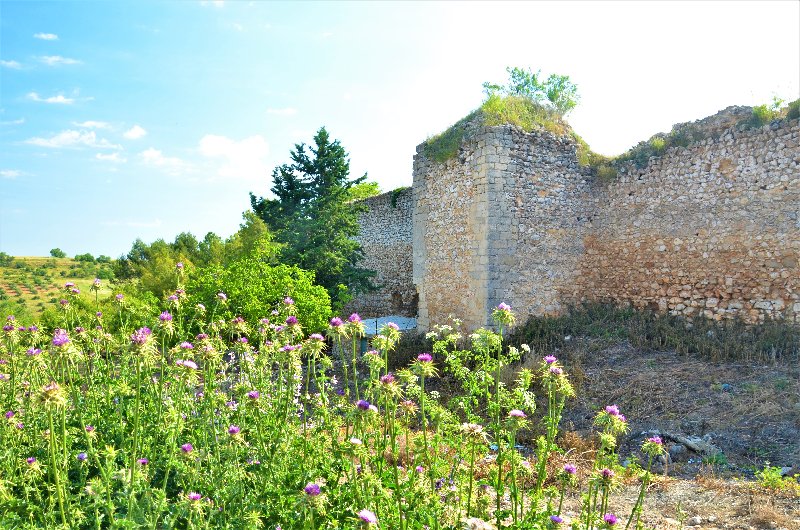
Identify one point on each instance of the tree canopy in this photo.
(314, 216)
(557, 91)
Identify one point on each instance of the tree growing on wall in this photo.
(557, 91)
(315, 218)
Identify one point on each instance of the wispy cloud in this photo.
(10, 64)
(10, 173)
(112, 157)
(169, 164)
(240, 160)
(215, 3)
(135, 132)
(56, 60)
(287, 111)
(45, 36)
(59, 99)
(326, 34)
(19, 121)
(73, 139)
(90, 124)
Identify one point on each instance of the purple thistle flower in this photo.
(316, 336)
(570, 469)
(656, 440)
(69, 285)
(424, 357)
(234, 429)
(242, 340)
(222, 297)
(419, 469)
(201, 336)
(20, 426)
(82, 457)
(9, 328)
(555, 370)
(80, 329)
(75, 291)
(187, 448)
(362, 404)
(288, 301)
(516, 413)
(63, 302)
(119, 297)
(392, 325)
(354, 318)
(336, 322)
(9, 414)
(142, 461)
(194, 497)
(387, 379)
(502, 306)
(60, 337)
(186, 345)
(179, 265)
(367, 516)
(610, 519)
(33, 329)
(606, 473)
(30, 460)
(89, 428)
(254, 394)
(186, 363)
(291, 320)
(550, 359)
(172, 298)
(141, 336)
(96, 282)
(556, 519)
(165, 317)
(11, 318)
(311, 489)
(612, 410)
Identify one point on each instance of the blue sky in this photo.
(146, 119)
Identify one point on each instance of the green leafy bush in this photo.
(256, 288)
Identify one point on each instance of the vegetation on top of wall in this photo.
(525, 101)
(396, 193)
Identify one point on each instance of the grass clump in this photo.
(608, 324)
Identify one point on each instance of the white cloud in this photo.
(10, 64)
(60, 99)
(70, 138)
(112, 157)
(169, 164)
(92, 124)
(326, 34)
(55, 60)
(135, 132)
(237, 26)
(241, 160)
(215, 3)
(19, 121)
(45, 36)
(287, 111)
(10, 173)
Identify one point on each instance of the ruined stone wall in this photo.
(451, 234)
(385, 236)
(711, 229)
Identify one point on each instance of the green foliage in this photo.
(255, 288)
(396, 194)
(58, 253)
(557, 92)
(771, 478)
(315, 219)
(525, 113)
(5, 259)
(444, 146)
(793, 110)
(364, 190)
(152, 267)
(88, 258)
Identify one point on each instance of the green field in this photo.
(28, 285)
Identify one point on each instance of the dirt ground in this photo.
(741, 416)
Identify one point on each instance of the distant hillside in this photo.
(30, 284)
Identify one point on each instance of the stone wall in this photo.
(709, 229)
(385, 236)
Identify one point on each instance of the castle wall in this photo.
(385, 237)
(711, 229)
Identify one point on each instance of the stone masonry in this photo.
(711, 229)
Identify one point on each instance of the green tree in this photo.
(315, 218)
(58, 253)
(557, 91)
